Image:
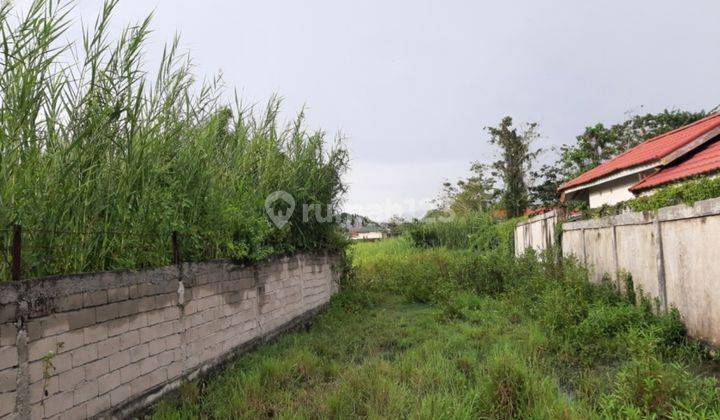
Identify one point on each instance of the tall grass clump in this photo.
(474, 230)
(101, 160)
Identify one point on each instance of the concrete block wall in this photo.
(111, 343)
(672, 255)
(537, 233)
(9, 361)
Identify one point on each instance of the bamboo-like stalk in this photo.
(100, 161)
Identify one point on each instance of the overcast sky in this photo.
(411, 84)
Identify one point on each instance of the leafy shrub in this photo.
(648, 387)
(597, 335)
(688, 192)
(493, 272)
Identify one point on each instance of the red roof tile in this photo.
(650, 151)
(704, 161)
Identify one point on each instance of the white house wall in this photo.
(613, 192)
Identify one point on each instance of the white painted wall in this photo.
(368, 235)
(612, 192)
(612, 189)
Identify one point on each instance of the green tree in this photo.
(397, 225)
(598, 143)
(514, 167)
(544, 191)
(476, 193)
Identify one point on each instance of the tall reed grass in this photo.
(100, 160)
(476, 230)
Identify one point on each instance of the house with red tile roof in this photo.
(675, 156)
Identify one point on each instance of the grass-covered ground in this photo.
(440, 333)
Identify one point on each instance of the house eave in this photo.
(616, 175)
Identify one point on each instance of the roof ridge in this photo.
(652, 139)
(705, 159)
(684, 127)
(645, 158)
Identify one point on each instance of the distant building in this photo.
(672, 157)
(369, 233)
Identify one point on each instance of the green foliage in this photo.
(473, 230)
(516, 162)
(477, 193)
(397, 225)
(629, 287)
(651, 388)
(586, 326)
(544, 191)
(101, 161)
(686, 193)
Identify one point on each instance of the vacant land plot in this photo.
(457, 334)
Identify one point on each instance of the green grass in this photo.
(364, 252)
(393, 360)
(488, 337)
(469, 230)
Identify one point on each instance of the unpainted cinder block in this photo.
(107, 312)
(43, 389)
(8, 357)
(95, 333)
(58, 403)
(69, 303)
(129, 340)
(7, 403)
(146, 304)
(149, 364)
(118, 294)
(96, 369)
(140, 385)
(8, 380)
(85, 391)
(81, 318)
(70, 379)
(157, 346)
(120, 394)
(138, 353)
(84, 354)
(108, 346)
(108, 382)
(8, 335)
(118, 360)
(129, 373)
(118, 326)
(128, 307)
(155, 316)
(98, 405)
(96, 298)
(76, 412)
(166, 299)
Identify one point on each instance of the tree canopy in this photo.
(512, 183)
